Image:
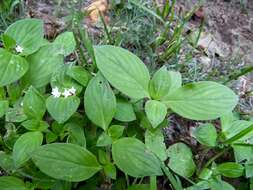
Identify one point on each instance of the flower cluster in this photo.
(66, 93)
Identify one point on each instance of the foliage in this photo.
(69, 126)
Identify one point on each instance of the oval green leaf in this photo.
(12, 67)
(164, 82)
(67, 162)
(61, 109)
(132, 157)
(124, 111)
(34, 104)
(11, 183)
(202, 100)
(124, 70)
(156, 112)
(99, 101)
(28, 34)
(230, 169)
(43, 64)
(181, 161)
(25, 146)
(66, 43)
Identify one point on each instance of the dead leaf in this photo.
(94, 8)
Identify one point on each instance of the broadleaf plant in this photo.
(101, 118)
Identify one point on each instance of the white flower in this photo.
(19, 49)
(72, 90)
(56, 93)
(66, 93)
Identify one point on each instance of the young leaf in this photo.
(124, 70)
(206, 134)
(79, 74)
(28, 34)
(76, 134)
(11, 183)
(35, 125)
(67, 162)
(99, 101)
(230, 169)
(181, 161)
(9, 43)
(124, 111)
(43, 64)
(132, 157)
(66, 43)
(12, 67)
(116, 131)
(34, 104)
(156, 112)
(104, 140)
(61, 109)
(25, 146)
(202, 100)
(155, 143)
(164, 82)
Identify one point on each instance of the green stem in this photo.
(127, 180)
(106, 29)
(216, 157)
(153, 183)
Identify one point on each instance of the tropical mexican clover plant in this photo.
(64, 127)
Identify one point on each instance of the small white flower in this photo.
(66, 93)
(19, 49)
(21, 104)
(56, 93)
(72, 90)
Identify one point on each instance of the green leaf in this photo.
(156, 112)
(66, 43)
(6, 162)
(230, 169)
(79, 74)
(155, 143)
(164, 82)
(15, 115)
(11, 183)
(9, 43)
(28, 34)
(43, 64)
(4, 105)
(202, 100)
(104, 140)
(76, 134)
(239, 130)
(25, 146)
(61, 109)
(110, 171)
(61, 80)
(34, 104)
(206, 134)
(202, 185)
(99, 101)
(35, 125)
(124, 111)
(249, 170)
(67, 162)
(220, 185)
(12, 67)
(116, 131)
(132, 157)
(124, 70)
(181, 161)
